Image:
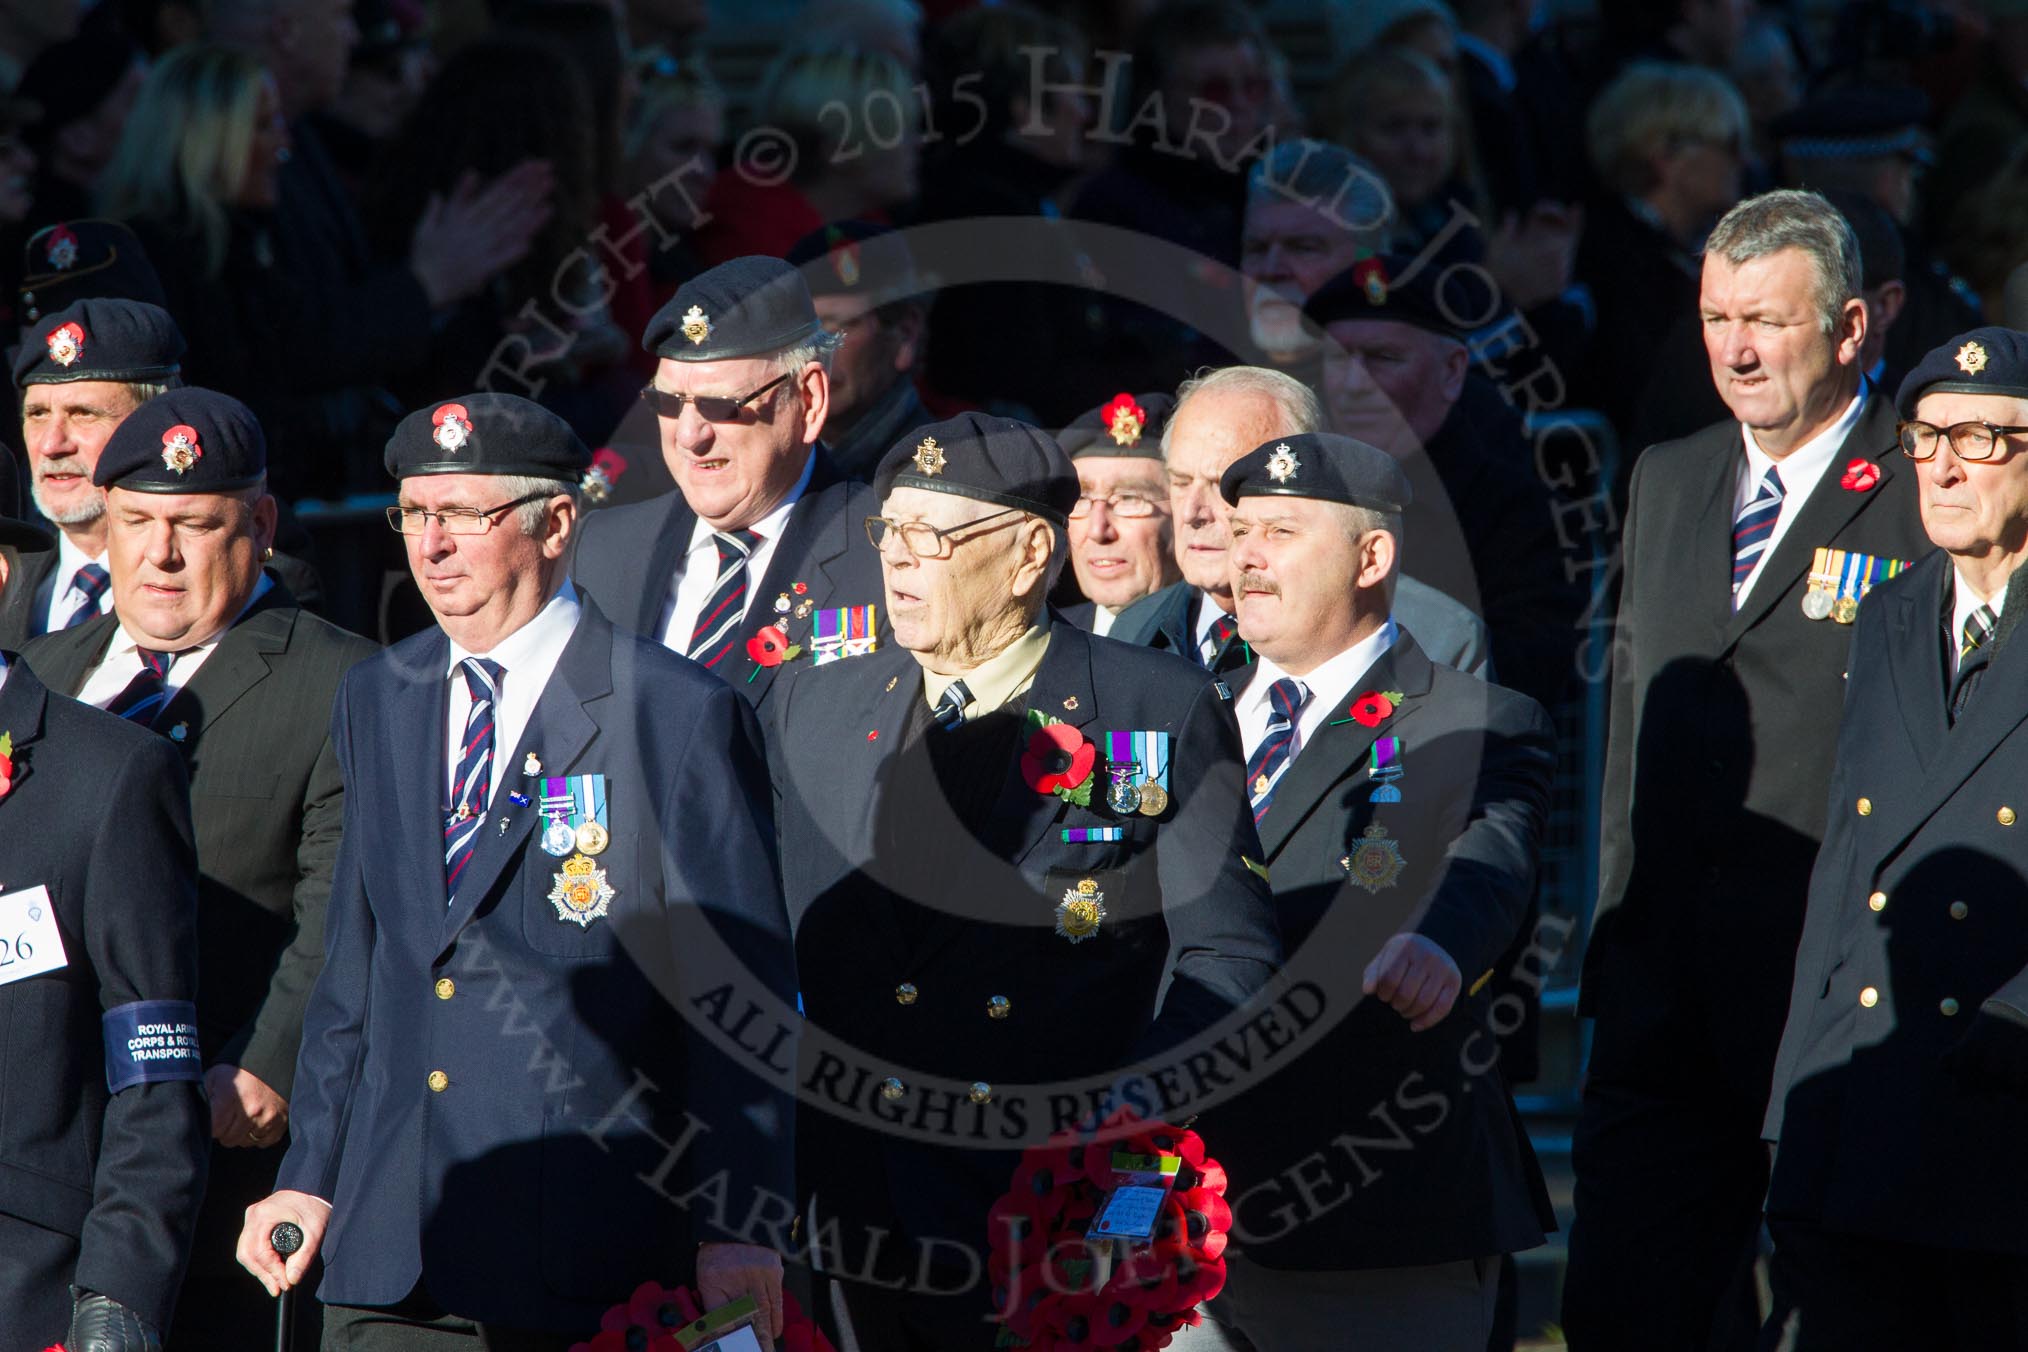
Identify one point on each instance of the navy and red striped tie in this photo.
(714, 634)
(1264, 768)
(472, 788)
(145, 695)
(89, 585)
(1753, 528)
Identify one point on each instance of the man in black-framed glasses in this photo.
(758, 550)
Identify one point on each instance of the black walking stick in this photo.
(285, 1239)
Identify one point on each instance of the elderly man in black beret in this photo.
(1400, 804)
(1900, 1094)
(1087, 794)
(756, 561)
(1122, 543)
(210, 649)
(511, 1096)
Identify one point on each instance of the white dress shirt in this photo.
(1331, 685)
(64, 598)
(122, 661)
(697, 575)
(528, 656)
(1103, 618)
(1800, 470)
(1963, 602)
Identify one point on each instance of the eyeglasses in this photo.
(1129, 505)
(1970, 440)
(453, 520)
(714, 408)
(922, 539)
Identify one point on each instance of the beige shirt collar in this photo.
(1000, 678)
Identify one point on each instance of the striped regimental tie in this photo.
(714, 635)
(145, 695)
(89, 583)
(1264, 768)
(473, 787)
(1753, 528)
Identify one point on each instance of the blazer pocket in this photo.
(1090, 904)
(571, 905)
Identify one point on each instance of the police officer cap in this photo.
(13, 530)
(75, 260)
(856, 258)
(1991, 360)
(747, 307)
(101, 339)
(486, 434)
(976, 455)
(1127, 425)
(185, 441)
(1320, 465)
(1856, 122)
(1432, 297)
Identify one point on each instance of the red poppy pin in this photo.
(454, 426)
(6, 763)
(1125, 419)
(1860, 475)
(771, 647)
(180, 449)
(65, 342)
(1058, 760)
(606, 468)
(1374, 707)
(61, 248)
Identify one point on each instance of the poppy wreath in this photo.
(1041, 1271)
(650, 1319)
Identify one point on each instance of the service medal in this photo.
(1154, 800)
(1123, 797)
(558, 838)
(1845, 610)
(1817, 605)
(581, 893)
(592, 838)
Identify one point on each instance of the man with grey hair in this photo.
(1748, 550)
(1313, 210)
(757, 559)
(1219, 416)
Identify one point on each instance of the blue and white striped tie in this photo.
(1753, 528)
(713, 636)
(1264, 768)
(472, 788)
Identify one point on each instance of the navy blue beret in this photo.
(856, 258)
(496, 434)
(1439, 299)
(1319, 465)
(976, 455)
(745, 307)
(1126, 425)
(99, 339)
(74, 260)
(185, 441)
(1991, 360)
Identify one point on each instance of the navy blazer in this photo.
(482, 1090)
(1917, 898)
(1188, 935)
(100, 815)
(1444, 1171)
(628, 557)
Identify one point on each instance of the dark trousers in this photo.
(901, 1321)
(35, 1271)
(1668, 1197)
(419, 1324)
(1848, 1293)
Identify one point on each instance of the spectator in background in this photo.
(671, 25)
(1313, 210)
(1426, 27)
(1769, 77)
(1701, 32)
(86, 89)
(1988, 122)
(668, 158)
(1666, 141)
(1988, 237)
(27, 27)
(893, 27)
(17, 171)
(159, 25)
(818, 167)
(390, 68)
(1398, 110)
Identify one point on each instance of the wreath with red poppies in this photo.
(1046, 1282)
(654, 1318)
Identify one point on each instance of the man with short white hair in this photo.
(1313, 210)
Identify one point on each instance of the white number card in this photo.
(29, 942)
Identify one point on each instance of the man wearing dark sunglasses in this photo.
(756, 560)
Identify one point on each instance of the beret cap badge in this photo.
(1125, 420)
(929, 457)
(1972, 358)
(454, 426)
(61, 251)
(66, 341)
(696, 326)
(1282, 465)
(180, 449)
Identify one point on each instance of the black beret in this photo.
(74, 260)
(185, 441)
(746, 307)
(1991, 360)
(856, 258)
(1320, 465)
(1856, 122)
(486, 434)
(1126, 425)
(976, 455)
(13, 530)
(101, 339)
(1432, 297)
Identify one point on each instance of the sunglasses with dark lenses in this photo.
(717, 408)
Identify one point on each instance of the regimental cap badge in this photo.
(696, 327)
(1282, 465)
(1972, 358)
(180, 449)
(61, 249)
(1125, 419)
(1371, 274)
(929, 457)
(845, 261)
(66, 341)
(454, 426)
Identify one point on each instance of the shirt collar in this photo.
(1964, 601)
(1802, 467)
(771, 525)
(1331, 680)
(549, 630)
(126, 642)
(1000, 677)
